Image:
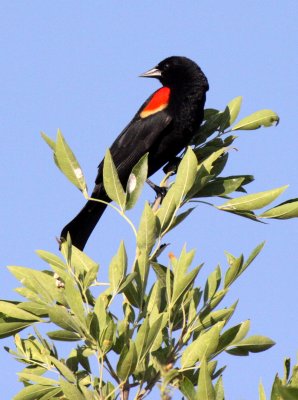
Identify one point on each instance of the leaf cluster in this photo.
(169, 332)
(285, 388)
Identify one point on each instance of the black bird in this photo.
(163, 126)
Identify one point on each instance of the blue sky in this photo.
(74, 65)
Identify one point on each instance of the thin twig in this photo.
(125, 392)
(121, 212)
(111, 369)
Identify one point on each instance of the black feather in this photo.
(163, 134)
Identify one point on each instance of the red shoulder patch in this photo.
(158, 102)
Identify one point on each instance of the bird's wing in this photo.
(145, 129)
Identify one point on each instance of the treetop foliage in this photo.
(168, 333)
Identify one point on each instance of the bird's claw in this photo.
(160, 191)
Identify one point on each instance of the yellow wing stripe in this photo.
(146, 113)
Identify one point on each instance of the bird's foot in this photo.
(160, 191)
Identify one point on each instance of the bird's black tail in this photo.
(81, 227)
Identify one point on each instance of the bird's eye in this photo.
(166, 67)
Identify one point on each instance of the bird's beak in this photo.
(152, 73)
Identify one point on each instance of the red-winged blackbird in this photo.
(163, 126)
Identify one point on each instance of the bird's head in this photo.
(176, 71)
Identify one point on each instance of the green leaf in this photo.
(219, 389)
(167, 209)
(146, 336)
(142, 269)
(192, 310)
(136, 182)
(220, 164)
(256, 120)
(33, 348)
(217, 298)
(30, 295)
(245, 214)
(88, 394)
(161, 272)
(51, 395)
(181, 264)
(38, 282)
(69, 164)
(55, 262)
(203, 152)
(253, 201)
(252, 256)
(287, 370)
(212, 318)
(63, 369)
(122, 334)
(154, 330)
(13, 311)
(231, 113)
(127, 361)
(33, 392)
(184, 284)
(187, 389)
(275, 394)
(220, 187)
(80, 261)
(83, 357)
(71, 391)
(212, 284)
(246, 178)
(154, 299)
(74, 300)
(205, 387)
(202, 347)
(90, 276)
(37, 379)
(209, 113)
(186, 174)
(209, 162)
(294, 377)
(108, 391)
(11, 328)
(51, 143)
(61, 317)
(262, 394)
(148, 230)
(141, 339)
(286, 210)
(35, 370)
(202, 179)
(64, 336)
(129, 278)
(288, 393)
(117, 268)
(112, 182)
(34, 308)
(213, 121)
(131, 292)
(234, 335)
(51, 259)
(168, 377)
(100, 310)
(108, 336)
(252, 344)
(233, 271)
